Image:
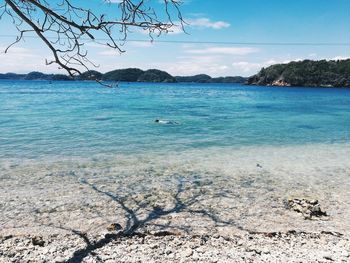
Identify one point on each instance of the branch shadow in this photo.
(134, 221)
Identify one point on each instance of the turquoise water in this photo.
(68, 150)
(39, 119)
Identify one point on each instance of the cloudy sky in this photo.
(248, 22)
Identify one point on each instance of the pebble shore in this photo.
(112, 247)
(177, 209)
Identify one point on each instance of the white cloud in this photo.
(312, 55)
(23, 60)
(173, 30)
(109, 52)
(224, 50)
(130, 47)
(253, 67)
(198, 23)
(16, 51)
(246, 67)
(192, 67)
(113, 1)
(207, 23)
(340, 58)
(94, 45)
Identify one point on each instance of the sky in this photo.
(248, 22)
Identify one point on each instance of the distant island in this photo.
(307, 73)
(125, 75)
(34, 76)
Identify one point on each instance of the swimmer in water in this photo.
(166, 122)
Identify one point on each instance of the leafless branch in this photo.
(66, 29)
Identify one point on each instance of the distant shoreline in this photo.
(306, 73)
(125, 75)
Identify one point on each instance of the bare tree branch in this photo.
(66, 29)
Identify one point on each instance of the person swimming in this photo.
(166, 122)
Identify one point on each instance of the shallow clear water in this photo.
(82, 119)
(72, 152)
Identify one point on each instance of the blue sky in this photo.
(246, 21)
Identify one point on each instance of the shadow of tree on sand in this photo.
(134, 221)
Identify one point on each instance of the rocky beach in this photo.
(221, 206)
(256, 247)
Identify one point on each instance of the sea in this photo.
(249, 146)
(84, 119)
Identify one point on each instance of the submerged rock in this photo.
(308, 208)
